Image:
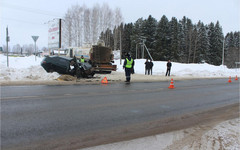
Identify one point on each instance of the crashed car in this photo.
(65, 65)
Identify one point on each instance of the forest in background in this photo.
(178, 40)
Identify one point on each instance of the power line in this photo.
(22, 21)
(31, 10)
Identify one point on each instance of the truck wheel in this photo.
(107, 72)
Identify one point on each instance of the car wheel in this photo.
(79, 73)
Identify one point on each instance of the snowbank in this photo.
(29, 69)
(183, 70)
(24, 69)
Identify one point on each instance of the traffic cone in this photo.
(171, 86)
(104, 80)
(229, 81)
(236, 78)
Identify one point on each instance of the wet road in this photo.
(40, 114)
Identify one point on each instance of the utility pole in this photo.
(136, 50)
(120, 47)
(60, 35)
(223, 51)
(7, 40)
(144, 45)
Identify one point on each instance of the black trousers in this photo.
(151, 71)
(147, 71)
(168, 71)
(128, 74)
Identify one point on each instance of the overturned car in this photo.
(70, 66)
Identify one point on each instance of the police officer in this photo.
(128, 66)
(82, 60)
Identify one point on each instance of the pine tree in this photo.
(189, 37)
(149, 30)
(212, 41)
(219, 44)
(216, 43)
(137, 33)
(181, 42)
(162, 40)
(203, 44)
(183, 35)
(174, 34)
(237, 39)
(126, 37)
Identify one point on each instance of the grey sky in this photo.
(25, 18)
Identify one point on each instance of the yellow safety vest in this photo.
(82, 60)
(129, 63)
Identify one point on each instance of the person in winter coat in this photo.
(151, 66)
(147, 67)
(169, 65)
(128, 66)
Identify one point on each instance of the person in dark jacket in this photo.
(151, 66)
(169, 65)
(147, 67)
(128, 66)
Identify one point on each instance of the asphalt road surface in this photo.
(77, 116)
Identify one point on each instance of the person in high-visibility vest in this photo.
(82, 60)
(128, 66)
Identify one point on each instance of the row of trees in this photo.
(25, 49)
(83, 25)
(180, 41)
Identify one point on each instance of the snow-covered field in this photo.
(29, 69)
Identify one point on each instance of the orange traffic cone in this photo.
(229, 81)
(171, 86)
(104, 80)
(236, 78)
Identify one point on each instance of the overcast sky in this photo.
(26, 18)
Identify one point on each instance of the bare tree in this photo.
(67, 28)
(118, 19)
(16, 49)
(95, 23)
(85, 25)
(87, 29)
(107, 18)
(29, 49)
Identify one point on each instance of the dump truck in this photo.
(99, 56)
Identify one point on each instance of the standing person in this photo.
(151, 66)
(169, 65)
(128, 66)
(82, 60)
(147, 67)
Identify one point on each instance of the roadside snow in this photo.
(225, 135)
(183, 70)
(24, 69)
(27, 69)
